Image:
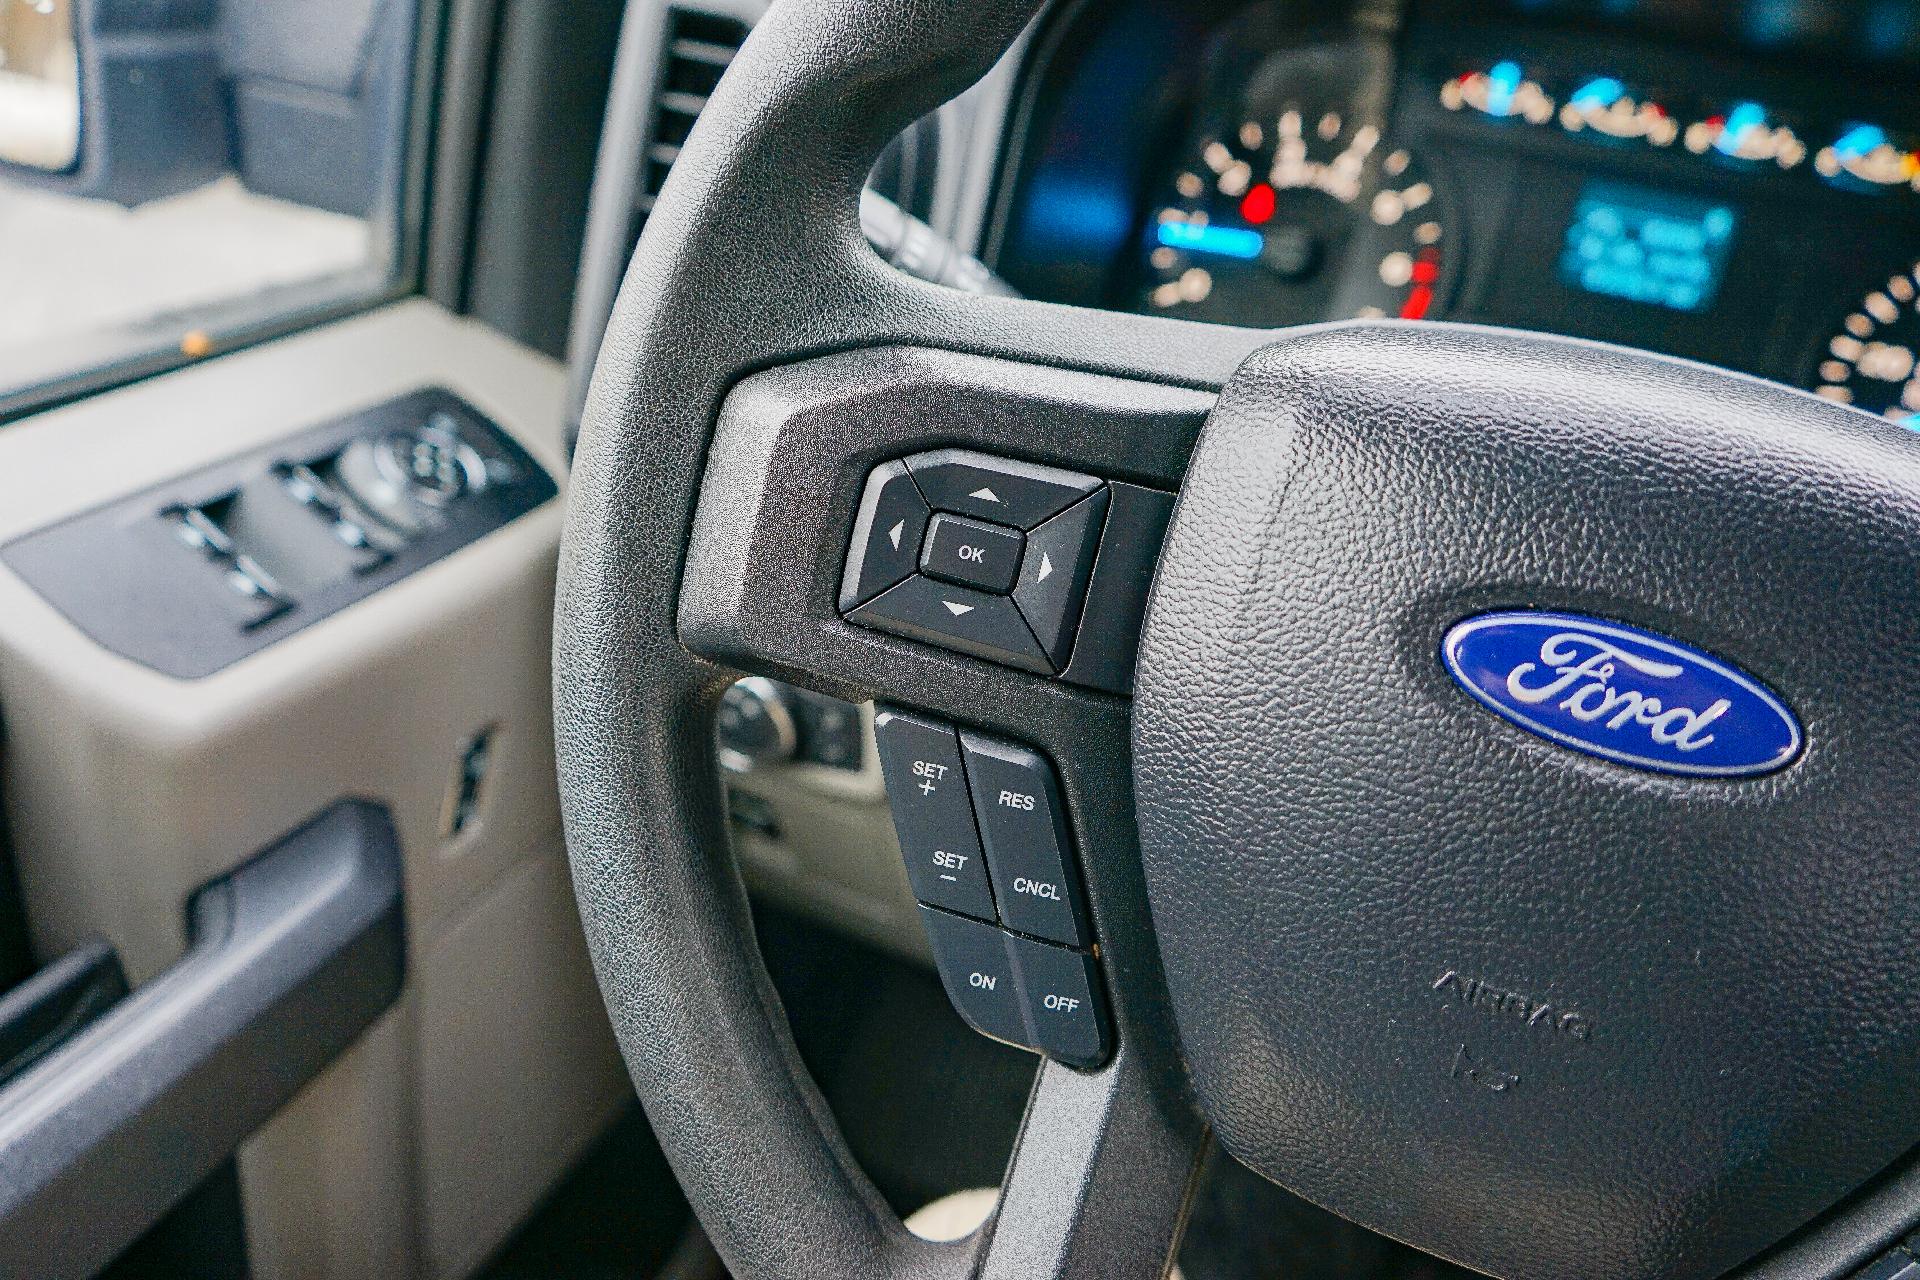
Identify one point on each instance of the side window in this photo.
(176, 173)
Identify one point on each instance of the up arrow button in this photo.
(1021, 494)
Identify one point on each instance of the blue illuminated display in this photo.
(1861, 140)
(1603, 92)
(1647, 246)
(1741, 121)
(1228, 242)
(1503, 81)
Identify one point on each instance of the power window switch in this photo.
(978, 975)
(1897, 1265)
(932, 814)
(1060, 996)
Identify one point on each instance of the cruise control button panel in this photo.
(1039, 961)
(1000, 559)
(932, 814)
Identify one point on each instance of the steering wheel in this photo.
(1432, 955)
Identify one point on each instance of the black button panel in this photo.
(1002, 560)
(1022, 878)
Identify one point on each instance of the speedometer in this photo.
(1305, 213)
(1870, 363)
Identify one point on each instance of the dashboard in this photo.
(1732, 181)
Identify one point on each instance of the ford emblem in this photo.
(1621, 693)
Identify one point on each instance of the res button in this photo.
(1023, 827)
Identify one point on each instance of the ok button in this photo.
(972, 553)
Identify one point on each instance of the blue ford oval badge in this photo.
(1621, 693)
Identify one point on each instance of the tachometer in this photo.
(1306, 214)
(1870, 363)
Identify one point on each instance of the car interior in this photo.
(1022, 639)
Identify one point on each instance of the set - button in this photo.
(988, 848)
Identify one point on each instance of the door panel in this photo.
(126, 789)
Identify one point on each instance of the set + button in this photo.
(932, 814)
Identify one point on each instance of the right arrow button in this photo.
(1052, 586)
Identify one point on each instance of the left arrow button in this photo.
(885, 546)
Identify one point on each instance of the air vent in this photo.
(698, 48)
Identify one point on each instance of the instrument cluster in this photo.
(1539, 166)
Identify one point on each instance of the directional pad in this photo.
(995, 558)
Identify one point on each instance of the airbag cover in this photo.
(1546, 1013)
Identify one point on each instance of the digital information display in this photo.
(1647, 246)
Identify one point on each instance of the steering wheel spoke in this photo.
(1101, 1179)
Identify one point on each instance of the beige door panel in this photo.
(127, 789)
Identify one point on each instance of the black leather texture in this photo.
(1332, 827)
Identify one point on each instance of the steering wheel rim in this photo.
(813, 97)
(753, 261)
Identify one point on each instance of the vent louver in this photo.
(698, 48)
